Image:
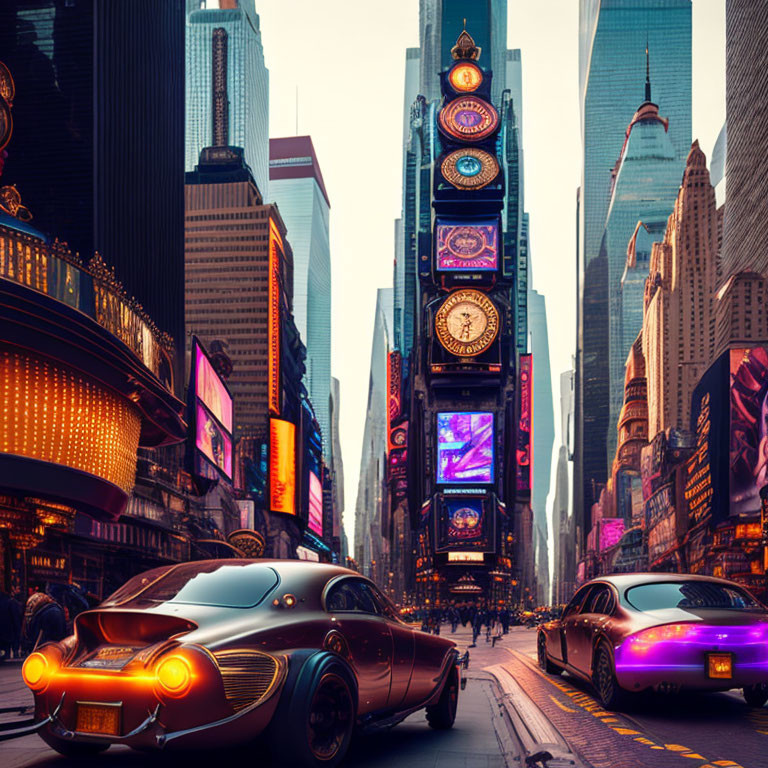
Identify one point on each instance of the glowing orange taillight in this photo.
(173, 675)
(36, 671)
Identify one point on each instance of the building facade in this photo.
(103, 169)
(613, 37)
(746, 227)
(297, 187)
(244, 77)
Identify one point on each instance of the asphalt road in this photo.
(701, 731)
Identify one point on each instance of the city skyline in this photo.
(547, 34)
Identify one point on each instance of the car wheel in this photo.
(610, 694)
(314, 726)
(544, 663)
(74, 749)
(756, 695)
(442, 715)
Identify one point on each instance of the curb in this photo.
(531, 726)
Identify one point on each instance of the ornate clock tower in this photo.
(467, 439)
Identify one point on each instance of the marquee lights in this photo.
(56, 415)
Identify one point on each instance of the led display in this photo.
(611, 531)
(213, 441)
(462, 246)
(282, 466)
(465, 447)
(524, 463)
(462, 524)
(211, 390)
(315, 504)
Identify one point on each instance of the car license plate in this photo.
(720, 666)
(98, 718)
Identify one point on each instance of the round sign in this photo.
(467, 323)
(469, 168)
(468, 119)
(465, 519)
(465, 77)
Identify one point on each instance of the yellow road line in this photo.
(562, 706)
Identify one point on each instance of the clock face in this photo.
(465, 77)
(399, 437)
(467, 323)
(468, 118)
(469, 168)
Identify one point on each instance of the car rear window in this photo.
(690, 594)
(227, 585)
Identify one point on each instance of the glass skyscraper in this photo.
(647, 179)
(247, 86)
(613, 35)
(297, 186)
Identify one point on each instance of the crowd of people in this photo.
(46, 615)
(482, 616)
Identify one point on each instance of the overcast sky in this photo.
(346, 57)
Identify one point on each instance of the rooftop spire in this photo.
(465, 47)
(647, 71)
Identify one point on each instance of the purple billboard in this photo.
(464, 447)
(462, 246)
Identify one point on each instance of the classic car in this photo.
(660, 631)
(218, 652)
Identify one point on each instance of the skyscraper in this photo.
(297, 186)
(613, 35)
(543, 431)
(372, 503)
(247, 85)
(98, 145)
(746, 221)
(646, 179)
(679, 324)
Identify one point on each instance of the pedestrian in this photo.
(504, 618)
(477, 623)
(44, 620)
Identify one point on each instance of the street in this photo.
(697, 730)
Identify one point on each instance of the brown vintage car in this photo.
(660, 631)
(219, 652)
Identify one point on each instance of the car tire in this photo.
(544, 663)
(442, 714)
(755, 695)
(75, 749)
(315, 719)
(610, 694)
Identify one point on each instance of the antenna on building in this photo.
(647, 70)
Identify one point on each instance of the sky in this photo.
(345, 59)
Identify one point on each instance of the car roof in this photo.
(626, 580)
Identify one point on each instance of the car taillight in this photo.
(37, 671)
(173, 675)
(662, 634)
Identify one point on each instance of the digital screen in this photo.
(211, 390)
(524, 428)
(463, 525)
(464, 447)
(462, 246)
(611, 531)
(282, 466)
(212, 441)
(748, 457)
(315, 504)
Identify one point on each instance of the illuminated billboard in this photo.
(524, 458)
(211, 413)
(466, 557)
(611, 531)
(210, 389)
(282, 466)
(315, 504)
(212, 440)
(748, 438)
(465, 447)
(461, 246)
(462, 523)
(276, 255)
